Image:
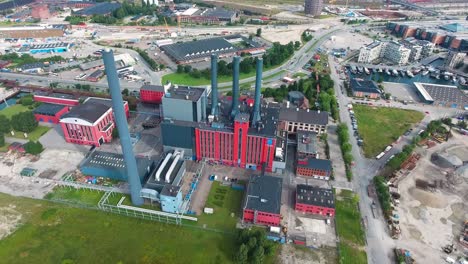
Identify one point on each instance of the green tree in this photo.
(180, 68)
(4, 124)
(125, 92)
(252, 243)
(258, 256)
(348, 158)
(462, 124)
(115, 133)
(24, 122)
(187, 68)
(242, 254)
(2, 140)
(297, 44)
(33, 147)
(259, 32)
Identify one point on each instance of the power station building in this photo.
(90, 123)
(313, 7)
(152, 94)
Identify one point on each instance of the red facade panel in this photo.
(150, 96)
(312, 209)
(54, 100)
(261, 218)
(90, 135)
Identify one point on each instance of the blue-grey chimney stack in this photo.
(258, 88)
(121, 122)
(235, 86)
(214, 84)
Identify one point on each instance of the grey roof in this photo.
(264, 194)
(97, 100)
(170, 190)
(242, 117)
(114, 165)
(48, 109)
(33, 65)
(302, 116)
(220, 13)
(312, 195)
(185, 92)
(306, 142)
(99, 9)
(151, 87)
(319, 164)
(55, 95)
(45, 46)
(365, 86)
(90, 112)
(198, 49)
(96, 74)
(92, 64)
(14, 4)
(446, 94)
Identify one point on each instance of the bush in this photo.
(383, 193)
(33, 147)
(27, 101)
(24, 122)
(2, 140)
(5, 124)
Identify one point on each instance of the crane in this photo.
(167, 27)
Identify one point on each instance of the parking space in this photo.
(402, 92)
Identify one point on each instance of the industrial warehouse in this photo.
(200, 50)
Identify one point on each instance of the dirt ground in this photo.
(285, 34)
(291, 254)
(430, 220)
(51, 165)
(9, 220)
(342, 41)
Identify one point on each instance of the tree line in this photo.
(346, 147)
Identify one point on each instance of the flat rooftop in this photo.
(442, 93)
(306, 142)
(55, 95)
(48, 109)
(170, 190)
(185, 92)
(318, 164)
(303, 116)
(365, 86)
(99, 9)
(312, 195)
(152, 87)
(89, 111)
(264, 194)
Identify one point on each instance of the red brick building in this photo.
(40, 12)
(151, 93)
(315, 168)
(90, 123)
(50, 113)
(56, 98)
(262, 203)
(315, 200)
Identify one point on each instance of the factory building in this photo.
(313, 7)
(306, 145)
(153, 94)
(315, 200)
(292, 120)
(55, 98)
(90, 123)
(112, 166)
(207, 16)
(262, 202)
(315, 168)
(185, 103)
(56, 47)
(49, 113)
(442, 95)
(171, 199)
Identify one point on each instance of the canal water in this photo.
(12, 100)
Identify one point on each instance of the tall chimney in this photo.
(258, 87)
(121, 122)
(214, 84)
(235, 86)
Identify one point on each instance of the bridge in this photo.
(413, 6)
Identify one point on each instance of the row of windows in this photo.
(255, 150)
(311, 208)
(310, 172)
(79, 132)
(108, 118)
(293, 127)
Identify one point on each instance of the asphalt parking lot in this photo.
(402, 92)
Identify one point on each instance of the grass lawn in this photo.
(380, 126)
(349, 228)
(224, 200)
(81, 196)
(53, 233)
(4, 148)
(34, 135)
(349, 255)
(14, 109)
(299, 74)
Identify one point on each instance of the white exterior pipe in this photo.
(163, 164)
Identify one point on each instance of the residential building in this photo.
(313, 7)
(397, 53)
(262, 202)
(90, 123)
(291, 120)
(364, 88)
(315, 200)
(50, 113)
(420, 49)
(315, 168)
(371, 52)
(454, 59)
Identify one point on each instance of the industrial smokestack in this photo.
(214, 84)
(235, 86)
(121, 122)
(258, 87)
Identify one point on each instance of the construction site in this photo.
(429, 200)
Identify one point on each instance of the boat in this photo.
(431, 69)
(366, 71)
(353, 69)
(454, 79)
(409, 73)
(395, 72)
(359, 69)
(462, 80)
(446, 77)
(425, 72)
(380, 70)
(402, 72)
(387, 72)
(437, 75)
(416, 71)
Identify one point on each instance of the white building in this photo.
(371, 52)
(420, 49)
(397, 53)
(453, 59)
